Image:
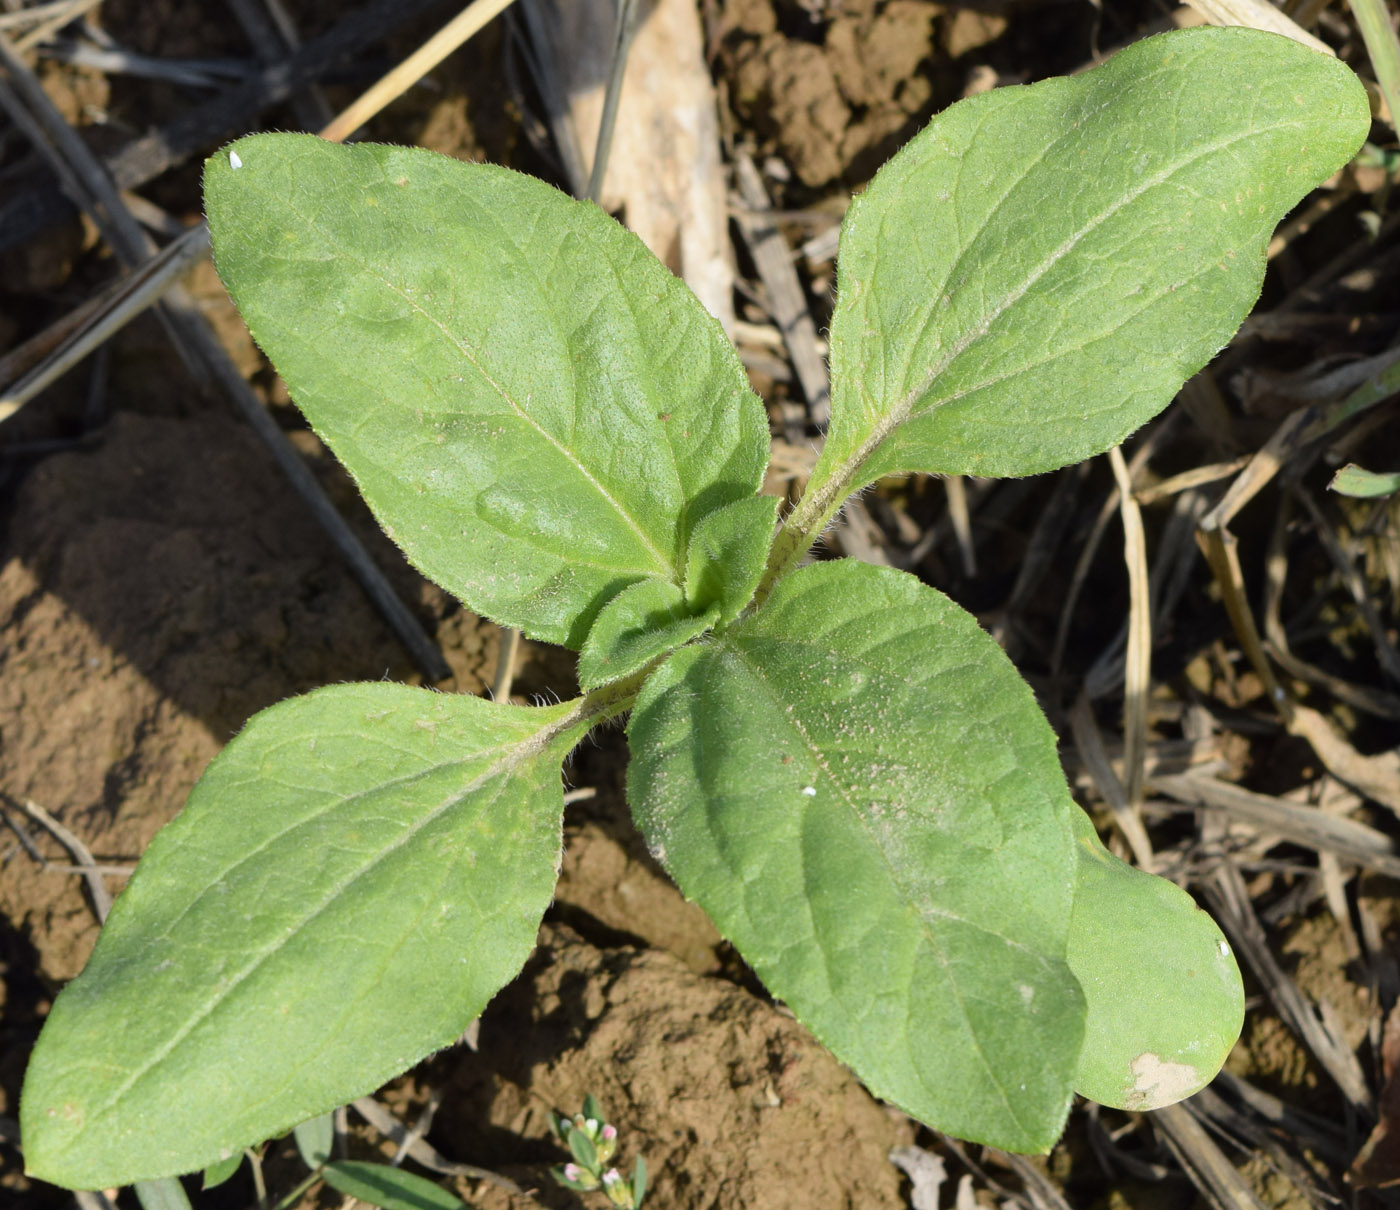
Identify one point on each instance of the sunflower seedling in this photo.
(833, 759)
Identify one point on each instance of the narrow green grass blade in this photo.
(390, 1188)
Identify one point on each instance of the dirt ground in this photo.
(160, 583)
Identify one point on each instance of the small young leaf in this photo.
(1164, 994)
(534, 407)
(727, 552)
(639, 1183)
(166, 1194)
(861, 791)
(354, 877)
(1353, 480)
(391, 1188)
(314, 1138)
(1036, 273)
(582, 1149)
(216, 1174)
(643, 621)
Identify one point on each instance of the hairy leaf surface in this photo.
(862, 793)
(1036, 273)
(642, 622)
(727, 554)
(355, 875)
(536, 410)
(1165, 998)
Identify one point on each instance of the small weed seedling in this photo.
(592, 1141)
(834, 760)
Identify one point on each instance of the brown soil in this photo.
(736, 1105)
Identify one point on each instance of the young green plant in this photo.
(834, 760)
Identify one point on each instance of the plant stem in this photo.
(812, 515)
(295, 1195)
(1384, 50)
(622, 43)
(605, 703)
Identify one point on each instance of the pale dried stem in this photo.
(506, 658)
(403, 77)
(1137, 668)
(62, 15)
(955, 489)
(1378, 32)
(1092, 751)
(82, 857)
(1091, 547)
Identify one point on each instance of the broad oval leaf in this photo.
(1165, 998)
(1036, 273)
(354, 877)
(536, 410)
(863, 794)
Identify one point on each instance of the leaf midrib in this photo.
(912, 908)
(663, 562)
(904, 409)
(507, 763)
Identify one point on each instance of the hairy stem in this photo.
(605, 703)
(814, 511)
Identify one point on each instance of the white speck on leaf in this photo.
(1224, 947)
(810, 791)
(233, 160)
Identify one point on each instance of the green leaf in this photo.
(643, 621)
(582, 1149)
(1165, 998)
(314, 1138)
(391, 1188)
(727, 552)
(218, 1173)
(354, 877)
(860, 790)
(1353, 480)
(639, 1183)
(536, 410)
(1037, 272)
(167, 1194)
